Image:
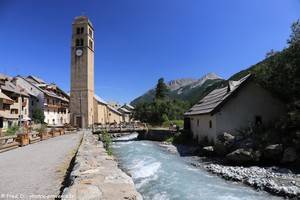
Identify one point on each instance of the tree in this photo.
(38, 115)
(161, 89)
(272, 52)
(295, 35)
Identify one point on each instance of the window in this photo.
(198, 122)
(81, 30)
(14, 111)
(81, 42)
(78, 31)
(77, 42)
(90, 32)
(210, 124)
(6, 106)
(91, 44)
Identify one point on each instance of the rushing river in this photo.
(161, 175)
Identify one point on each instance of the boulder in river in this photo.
(242, 156)
(224, 144)
(273, 152)
(289, 155)
(208, 150)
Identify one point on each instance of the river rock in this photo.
(241, 156)
(268, 179)
(289, 155)
(273, 152)
(208, 150)
(220, 148)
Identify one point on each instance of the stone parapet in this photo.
(96, 175)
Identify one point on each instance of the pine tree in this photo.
(161, 89)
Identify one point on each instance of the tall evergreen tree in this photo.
(161, 89)
(295, 35)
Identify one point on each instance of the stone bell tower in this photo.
(82, 73)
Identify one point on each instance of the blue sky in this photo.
(138, 41)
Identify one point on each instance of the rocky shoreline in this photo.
(96, 175)
(277, 181)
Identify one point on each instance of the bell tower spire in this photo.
(82, 73)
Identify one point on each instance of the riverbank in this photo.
(95, 174)
(275, 180)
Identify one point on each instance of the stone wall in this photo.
(96, 175)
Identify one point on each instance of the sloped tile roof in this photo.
(216, 98)
(99, 99)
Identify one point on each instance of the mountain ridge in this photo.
(181, 88)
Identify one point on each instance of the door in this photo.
(79, 122)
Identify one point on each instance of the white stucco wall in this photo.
(52, 117)
(201, 129)
(241, 110)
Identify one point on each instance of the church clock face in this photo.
(79, 52)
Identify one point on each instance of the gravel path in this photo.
(38, 168)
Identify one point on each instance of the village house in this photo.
(100, 111)
(127, 112)
(114, 116)
(239, 105)
(52, 100)
(14, 103)
(105, 113)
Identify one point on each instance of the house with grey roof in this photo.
(48, 97)
(14, 103)
(238, 105)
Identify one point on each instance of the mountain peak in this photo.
(180, 83)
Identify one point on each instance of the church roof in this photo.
(217, 98)
(113, 109)
(99, 99)
(128, 106)
(124, 110)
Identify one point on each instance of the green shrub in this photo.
(38, 115)
(41, 129)
(180, 138)
(106, 139)
(12, 130)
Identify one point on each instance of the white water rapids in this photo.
(161, 175)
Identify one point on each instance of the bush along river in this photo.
(160, 175)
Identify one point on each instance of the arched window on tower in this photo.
(77, 31)
(91, 44)
(81, 30)
(81, 42)
(77, 42)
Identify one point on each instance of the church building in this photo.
(86, 108)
